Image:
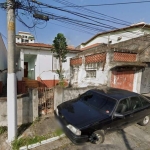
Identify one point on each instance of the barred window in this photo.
(91, 66)
(90, 73)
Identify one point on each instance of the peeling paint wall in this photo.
(137, 81)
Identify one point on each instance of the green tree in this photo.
(60, 51)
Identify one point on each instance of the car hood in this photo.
(79, 114)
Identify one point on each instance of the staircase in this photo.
(29, 83)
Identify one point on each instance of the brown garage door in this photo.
(122, 80)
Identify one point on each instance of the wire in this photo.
(109, 4)
(64, 2)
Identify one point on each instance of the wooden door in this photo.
(122, 80)
(25, 69)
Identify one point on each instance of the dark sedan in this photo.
(97, 112)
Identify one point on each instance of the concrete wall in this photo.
(79, 78)
(27, 108)
(64, 94)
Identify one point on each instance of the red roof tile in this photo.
(42, 45)
(35, 45)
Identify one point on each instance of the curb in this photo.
(41, 143)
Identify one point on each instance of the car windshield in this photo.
(102, 103)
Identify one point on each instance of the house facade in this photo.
(120, 65)
(36, 65)
(118, 35)
(3, 64)
(24, 37)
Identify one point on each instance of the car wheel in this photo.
(145, 121)
(97, 137)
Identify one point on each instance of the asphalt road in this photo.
(134, 137)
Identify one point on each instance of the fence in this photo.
(46, 100)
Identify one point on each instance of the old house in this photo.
(118, 35)
(122, 65)
(3, 64)
(36, 66)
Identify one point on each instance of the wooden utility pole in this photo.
(11, 77)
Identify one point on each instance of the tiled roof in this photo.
(35, 45)
(42, 45)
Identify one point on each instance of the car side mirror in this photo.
(118, 115)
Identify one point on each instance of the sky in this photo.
(47, 31)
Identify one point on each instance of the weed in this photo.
(3, 129)
(16, 144)
(58, 132)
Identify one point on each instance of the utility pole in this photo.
(11, 77)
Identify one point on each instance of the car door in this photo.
(140, 107)
(123, 108)
(137, 109)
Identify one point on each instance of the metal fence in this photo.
(46, 100)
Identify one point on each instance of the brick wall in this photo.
(124, 57)
(95, 58)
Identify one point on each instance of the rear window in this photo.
(100, 102)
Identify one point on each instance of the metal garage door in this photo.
(122, 80)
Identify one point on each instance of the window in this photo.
(135, 103)
(91, 70)
(91, 74)
(91, 66)
(144, 101)
(55, 64)
(100, 102)
(123, 106)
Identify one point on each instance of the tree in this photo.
(60, 51)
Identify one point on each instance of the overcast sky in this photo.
(133, 13)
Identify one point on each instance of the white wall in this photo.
(66, 66)
(3, 60)
(43, 64)
(126, 35)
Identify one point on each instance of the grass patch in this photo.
(58, 132)
(3, 129)
(16, 144)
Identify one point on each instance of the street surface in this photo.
(134, 137)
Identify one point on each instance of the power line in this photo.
(64, 2)
(109, 4)
(105, 26)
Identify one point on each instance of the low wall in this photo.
(27, 108)
(64, 94)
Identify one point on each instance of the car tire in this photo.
(145, 121)
(97, 137)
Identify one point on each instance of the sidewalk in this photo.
(44, 127)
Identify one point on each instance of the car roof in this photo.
(115, 93)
